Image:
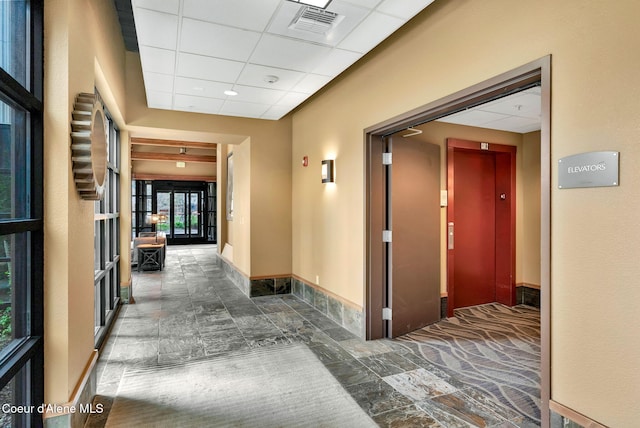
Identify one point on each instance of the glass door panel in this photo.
(163, 204)
(196, 208)
(180, 218)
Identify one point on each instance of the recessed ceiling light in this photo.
(230, 93)
(315, 3)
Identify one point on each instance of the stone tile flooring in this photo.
(191, 311)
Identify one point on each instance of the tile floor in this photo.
(191, 311)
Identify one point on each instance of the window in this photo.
(21, 200)
(107, 238)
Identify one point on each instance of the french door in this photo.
(181, 208)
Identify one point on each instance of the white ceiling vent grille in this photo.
(315, 20)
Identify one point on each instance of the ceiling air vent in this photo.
(315, 20)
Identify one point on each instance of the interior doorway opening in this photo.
(379, 181)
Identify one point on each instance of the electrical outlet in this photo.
(317, 279)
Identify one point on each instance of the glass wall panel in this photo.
(14, 39)
(14, 177)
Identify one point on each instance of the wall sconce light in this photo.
(328, 166)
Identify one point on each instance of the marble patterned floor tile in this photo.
(266, 340)
(271, 304)
(351, 372)
(406, 417)
(330, 353)
(377, 397)
(223, 343)
(419, 384)
(184, 343)
(207, 325)
(360, 348)
(458, 406)
(388, 364)
(319, 320)
(339, 334)
(182, 356)
(243, 310)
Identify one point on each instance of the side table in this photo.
(150, 257)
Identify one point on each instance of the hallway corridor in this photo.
(194, 351)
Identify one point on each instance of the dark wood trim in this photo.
(159, 177)
(172, 143)
(18, 226)
(174, 157)
(17, 94)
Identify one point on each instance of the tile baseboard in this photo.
(347, 316)
(528, 294)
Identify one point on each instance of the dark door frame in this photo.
(535, 73)
(505, 287)
(183, 186)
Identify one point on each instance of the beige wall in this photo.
(449, 47)
(193, 169)
(84, 49)
(529, 263)
(74, 53)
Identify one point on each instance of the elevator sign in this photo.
(593, 169)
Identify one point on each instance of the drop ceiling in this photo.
(192, 51)
(519, 112)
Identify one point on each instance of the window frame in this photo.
(107, 238)
(23, 359)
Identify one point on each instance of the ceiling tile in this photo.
(156, 29)
(291, 54)
(514, 124)
(336, 62)
(276, 112)
(158, 82)
(202, 67)
(247, 14)
(168, 6)
(157, 60)
(257, 95)
(367, 4)
(217, 40)
(163, 100)
(198, 104)
(371, 32)
(254, 75)
(473, 117)
(405, 9)
(237, 108)
(311, 83)
(292, 99)
(524, 104)
(201, 88)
